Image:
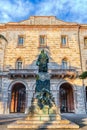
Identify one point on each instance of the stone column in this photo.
(1, 103)
(58, 102)
(26, 102)
(29, 96)
(9, 101)
(80, 104)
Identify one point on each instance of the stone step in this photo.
(50, 126)
(42, 122)
(44, 117)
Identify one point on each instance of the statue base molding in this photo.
(42, 119)
(43, 122)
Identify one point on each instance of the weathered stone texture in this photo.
(30, 50)
(31, 29)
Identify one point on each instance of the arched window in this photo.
(64, 64)
(19, 64)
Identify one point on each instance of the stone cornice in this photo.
(42, 22)
(16, 26)
(83, 26)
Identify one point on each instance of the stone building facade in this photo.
(21, 43)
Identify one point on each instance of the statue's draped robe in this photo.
(43, 80)
(42, 62)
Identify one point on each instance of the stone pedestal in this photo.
(42, 81)
(42, 119)
(43, 112)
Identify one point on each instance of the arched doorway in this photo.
(18, 98)
(66, 98)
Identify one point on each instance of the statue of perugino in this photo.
(42, 62)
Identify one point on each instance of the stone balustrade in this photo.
(59, 73)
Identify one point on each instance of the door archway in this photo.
(66, 98)
(18, 98)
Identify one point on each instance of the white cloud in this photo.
(11, 11)
(68, 10)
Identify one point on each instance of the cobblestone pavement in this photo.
(79, 119)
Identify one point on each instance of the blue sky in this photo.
(67, 10)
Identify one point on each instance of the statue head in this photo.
(42, 51)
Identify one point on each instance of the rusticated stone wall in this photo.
(31, 29)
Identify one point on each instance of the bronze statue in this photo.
(42, 62)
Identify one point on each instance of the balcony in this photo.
(63, 73)
(22, 73)
(59, 73)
